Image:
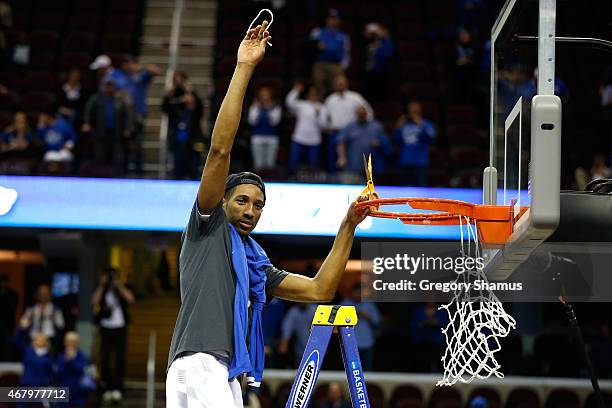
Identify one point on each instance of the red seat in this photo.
(388, 111)
(41, 59)
(37, 101)
(406, 392)
(271, 67)
(125, 6)
(464, 135)
(120, 24)
(410, 31)
(520, 396)
(5, 119)
(443, 394)
(423, 91)
(10, 80)
(411, 51)
(40, 81)
(51, 22)
(9, 101)
(444, 52)
(562, 398)
(431, 111)
(375, 395)
(79, 60)
(461, 114)
(43, 40)
(438, 178)
(56, 6)
(469, 157)
(225, 65)
(407, 10)
(89, 6)
(415, 72)
(117, 43)
(84, 23)
(438, 157)
(79, 42)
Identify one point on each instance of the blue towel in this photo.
(250, 264)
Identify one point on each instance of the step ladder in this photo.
(327, 320)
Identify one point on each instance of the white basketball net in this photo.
(477, 322)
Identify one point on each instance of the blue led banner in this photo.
(164, 205)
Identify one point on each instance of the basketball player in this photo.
(225, 276)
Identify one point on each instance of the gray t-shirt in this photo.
(205, 322)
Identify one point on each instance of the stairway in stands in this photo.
(195, 57)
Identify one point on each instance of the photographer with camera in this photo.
(110, 301)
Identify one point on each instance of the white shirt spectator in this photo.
(116, 320)
(311, 117)
(341, 107)
(46, 318)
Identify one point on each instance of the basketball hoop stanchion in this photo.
(477, 319)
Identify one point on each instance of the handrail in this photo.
(172, 63)
(151, 370)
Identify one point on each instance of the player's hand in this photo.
(298, 86)
(253, 46)
(355, 215)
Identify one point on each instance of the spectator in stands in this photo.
(57, 136)
(43, 317)
(599, 170)
(18, 136)
(108, 120)
(426, 326)
(378, 65)
(264, 117)
(70, 369)
(271, 326)
(530, 87)
(333, 55)
(8, 313)
(139, 79)
(311, 119)
(72, 98)
(335, 397)
(366, 330)
(184, 108)
(38, 362)
(478, 402)
(296, 327)
(103, 66)
(342, 108)
(111, 299)
(465, 67)
(414, 135)
(362, 137)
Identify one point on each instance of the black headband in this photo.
(245, 177)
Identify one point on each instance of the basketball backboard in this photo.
(525, 163)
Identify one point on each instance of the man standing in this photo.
(224, 272)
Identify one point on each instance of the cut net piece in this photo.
(477, 321)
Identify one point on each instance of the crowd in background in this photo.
(45, 341)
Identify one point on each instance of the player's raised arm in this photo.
(212, 185)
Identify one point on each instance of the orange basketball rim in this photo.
(494, 223)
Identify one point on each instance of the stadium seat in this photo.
(412, 51)
(469, 157)
(271, 67)
(43, 40)
(56, 6)
(444, 52)
(9, 379)
(9, 101)
(79, 42)
(464, 135)
(410, 31)
(117, 43)
(51, 22)
(406, 392)
(6, 118)
(42, 60)
(519, 396)
(592, 400)
(37, 101)
(562, 398)
(89, 6)
(438, 178)
(40, 81)
(438, 157)
(407, 10)
(444, 394)
(125, 6)
(375, 395)
(120, 24)
(84, 23)
(10, 80)
(75, 60)
(375, 12)
(490, 394)
(415, 72)
(461, 114)
(388, 111)
(423, 91)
